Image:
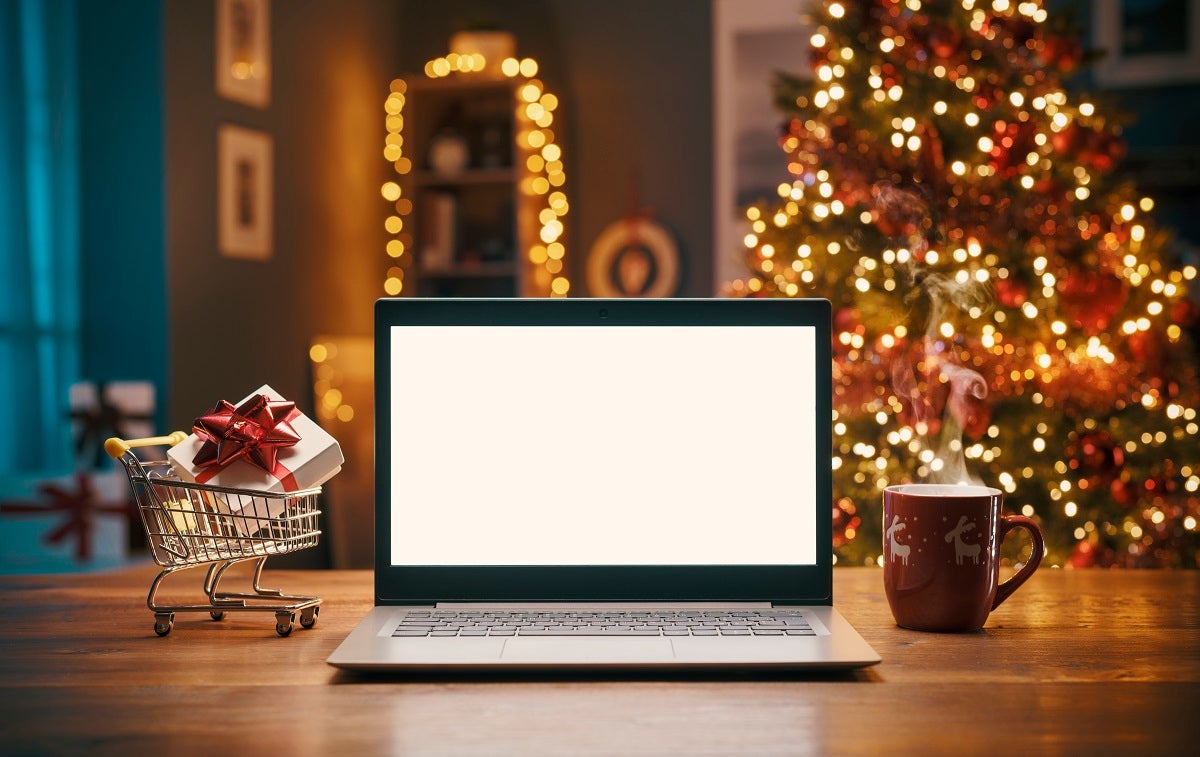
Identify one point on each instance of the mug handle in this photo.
(1008, 523)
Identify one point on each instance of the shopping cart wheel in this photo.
(283, 622)
(308, 616)
(217, 614)
(163, 622)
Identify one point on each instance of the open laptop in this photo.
(578, 483)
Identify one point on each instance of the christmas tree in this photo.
(1004, 309)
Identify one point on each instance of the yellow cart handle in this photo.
(116, 447)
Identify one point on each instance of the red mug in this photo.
(941, 555)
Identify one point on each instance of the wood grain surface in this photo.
(1077, 662)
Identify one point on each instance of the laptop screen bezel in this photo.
(780, 584)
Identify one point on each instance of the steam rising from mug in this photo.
(938, 416)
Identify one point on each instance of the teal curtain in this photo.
(39, 232)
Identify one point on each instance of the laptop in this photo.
(602, 483)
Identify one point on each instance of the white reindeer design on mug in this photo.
(961, 548)
(898, 550)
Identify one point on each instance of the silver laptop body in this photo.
(579, 483)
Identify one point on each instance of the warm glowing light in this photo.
(542, 164)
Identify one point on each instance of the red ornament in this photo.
(1146, 348)
(847, 319)
(845, 521)
(1011, 293)
(944, 40)
(932, 157)
(1104, 150)
(1067, 141)
(1090, 553)
(899, 212)
(1090, 299)
(1097, 456)
(1062, 52)
(1011, 142)
(1123, 493)
(1184, 313)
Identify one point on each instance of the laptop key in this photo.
(410, 632)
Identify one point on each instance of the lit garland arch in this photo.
(540, 161)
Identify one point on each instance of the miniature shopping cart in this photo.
(189, 525)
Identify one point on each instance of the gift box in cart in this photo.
(262, 443)
(190, 524)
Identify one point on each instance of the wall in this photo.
(643, 73)
(634, 78)
(236, 323)
(332, 63)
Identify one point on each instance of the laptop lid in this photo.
(602, 450)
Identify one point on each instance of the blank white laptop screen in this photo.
(599, 445)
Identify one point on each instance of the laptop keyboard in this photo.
(625, 623)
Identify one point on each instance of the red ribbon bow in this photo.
(254, 431)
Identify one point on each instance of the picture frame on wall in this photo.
(245, 193)
(1147, 42)
(752, 39)
(243, 51)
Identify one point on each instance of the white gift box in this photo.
(24, 546)
(312, 461)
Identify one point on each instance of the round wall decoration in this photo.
(633, 257)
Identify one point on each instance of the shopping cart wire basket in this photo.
(189, 525)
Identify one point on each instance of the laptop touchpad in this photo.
(552, 649)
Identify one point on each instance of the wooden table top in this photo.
(1077, 662)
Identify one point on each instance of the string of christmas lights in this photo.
(540, 163)
(958, 206)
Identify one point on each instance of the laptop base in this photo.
(371, 647)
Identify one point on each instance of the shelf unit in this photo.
(474, 224)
